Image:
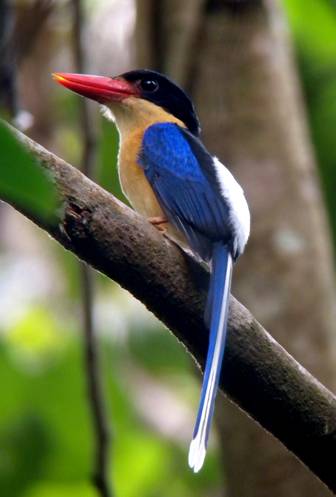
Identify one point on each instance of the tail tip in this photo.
(197, 452)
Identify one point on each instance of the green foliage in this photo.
(46, 440)
(158, 352)
(55, 489)
(107, 159)
(22, 181)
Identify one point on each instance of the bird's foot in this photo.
(158, 222)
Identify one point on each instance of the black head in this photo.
(160, 90)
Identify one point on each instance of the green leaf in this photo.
(23, 182)
(55, 489)
(313, 27)
(107, 160)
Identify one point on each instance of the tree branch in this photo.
(258, 374)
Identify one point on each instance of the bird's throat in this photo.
(132, 178)
(133, 116)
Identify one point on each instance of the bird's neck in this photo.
(132, 118)
(134, 115)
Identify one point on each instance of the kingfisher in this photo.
(169, 177)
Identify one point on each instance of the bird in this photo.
(169, 177)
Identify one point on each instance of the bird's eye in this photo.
(149, 85)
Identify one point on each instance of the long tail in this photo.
(217, 307)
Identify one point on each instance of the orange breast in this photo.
(133, 180)
(135, 185)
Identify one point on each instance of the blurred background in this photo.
(263, 77)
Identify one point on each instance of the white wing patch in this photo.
(239, 211)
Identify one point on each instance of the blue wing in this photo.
(182, 176)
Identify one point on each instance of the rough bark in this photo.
(242, 78)
(258, 374)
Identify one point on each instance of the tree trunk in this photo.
(235, 60)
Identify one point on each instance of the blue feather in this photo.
(182, 175)
(186, 189)
(220, 284)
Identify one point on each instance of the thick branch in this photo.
(258, 374)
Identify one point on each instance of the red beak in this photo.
(99, 88)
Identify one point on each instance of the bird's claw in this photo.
(157, 222)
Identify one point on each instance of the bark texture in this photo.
(239, 70)
(258, 374)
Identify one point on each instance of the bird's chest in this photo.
(136, 186)
(133, 180)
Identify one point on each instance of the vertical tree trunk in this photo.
(235, 59)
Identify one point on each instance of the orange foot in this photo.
(157, 222)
